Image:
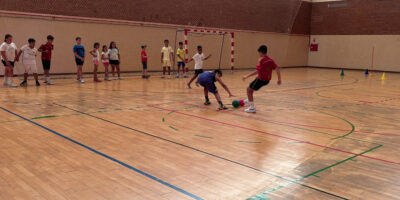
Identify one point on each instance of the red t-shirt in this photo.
(144, 56)
(265, 67)
(46, 51)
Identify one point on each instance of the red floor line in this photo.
(306, 88)
(304, 125)
(275, 135)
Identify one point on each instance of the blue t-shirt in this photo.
(80, 50)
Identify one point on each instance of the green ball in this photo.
(236, 103)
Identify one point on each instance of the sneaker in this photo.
(23, 83)
(162, 76)
(120, 78)
(143, 76)
(169, 76)
(188, 86)
(97, 80)
(78, 80)
(246, 102)
(197, 84)
(207, 103)
(222, 108)
(185, 76)
(177, 76)
(49, 82)
(45, 81)
(82, 81)
(148, 76)
(109, 79)
(12, 85)
(250, 110)
(114, 78)
(37, 83)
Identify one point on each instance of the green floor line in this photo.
(163, 119)
(248, 141)
(351, 124)
(314, 173)
(43, 117)
(204, 136)
(173, 128)
(306, 129)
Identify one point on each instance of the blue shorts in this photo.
(181, 64)
(207, 80)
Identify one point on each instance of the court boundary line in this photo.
(107, 157)
(279, 136)
(204, 152)
(289, 123)
(315, 172)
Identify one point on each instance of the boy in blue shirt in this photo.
(79, 53)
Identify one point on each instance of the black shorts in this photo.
(198, 71)
(181, 64)
(144, 65)
(78, 62)
(46, 64)
(5, 64)
(257, 84)
(114, 62)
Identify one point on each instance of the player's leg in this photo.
(207, 102)
(106, 71)
(118, 72)
(34, 70)
(169, 68)
(25, 81)
(196, 73)
(11, 75)
(113, 71)
(254, 86)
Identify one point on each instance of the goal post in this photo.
(187, 31)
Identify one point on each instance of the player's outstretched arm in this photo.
(224, 86)
(278, 73)
(249, 75)
(207, 57)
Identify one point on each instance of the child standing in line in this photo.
(198, 64)
(8, 51)
(181, 60)
(105, 59)
(79, 53)
(207, 80)
(96, 57)
(264, 70)
(29, 53)
(46, 50)
(115, 60)
(167, 57)
(143, 56)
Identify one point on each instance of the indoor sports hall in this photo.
(213, 100)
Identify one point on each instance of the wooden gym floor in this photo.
(317, 136)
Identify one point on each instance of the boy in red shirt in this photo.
(46, 50)
(264, 68)
(143, 55)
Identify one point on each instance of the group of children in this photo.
(111, 56)
(10, 55)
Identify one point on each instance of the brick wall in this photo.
(258, 15)
(357, 17)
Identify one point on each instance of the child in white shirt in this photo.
(198, 58)
(8, 51)
(29, 53)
